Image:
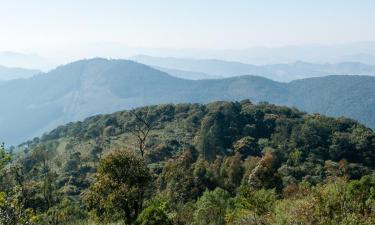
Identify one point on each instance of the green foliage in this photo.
(66, 212)
(221, 163)
(13, 211)
(252, 206)
(247, 146)
(337, 202)
(177, 180)
(211, 208)
(153, 215)
(4, 157)
(119, 189)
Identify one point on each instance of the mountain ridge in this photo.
(278, 72)
(99, 86)
(11, 73)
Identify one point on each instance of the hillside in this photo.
(249, 152)
(277, 72)
(352, 96)
(89, 87)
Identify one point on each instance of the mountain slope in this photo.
(353, 96)
(84, 88)
(278, 72)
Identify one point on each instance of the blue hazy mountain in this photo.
(11, 73)
(24, 60)
(278, 72)
(84, 88)
(185, 74)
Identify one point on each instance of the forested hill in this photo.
(30, 107)
(215, 128)
(220, 163)
(352, 96)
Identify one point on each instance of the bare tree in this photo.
(142, 128)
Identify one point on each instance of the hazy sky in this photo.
(50, 25)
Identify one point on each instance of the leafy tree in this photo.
(337, 202)
(211, 208)
(96, 154)
(153, 215)
(4, 157)
(119, 189)
(42, 156)
(177, 179)
(231, 172)
(252, 206)
(66, 212)
(263, 174)
(247, 146)
(13, 210)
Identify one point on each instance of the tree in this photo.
(210, 139)
(247, 146)
(14, 203)
(177, 180)
(263, 174)
(153, 215)
(336, 202)
(13, 213)
(67, 211)
(13, 210)
(4, 157)
(96, 154)
(252, 206)
(120, 186)
(211, 208)
(72, 164)
(142, 126)
(43, 155)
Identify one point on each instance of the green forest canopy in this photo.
(220, 163)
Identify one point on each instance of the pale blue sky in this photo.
(50, 25)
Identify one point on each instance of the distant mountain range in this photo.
(75, 91)
(23, 60)
(11, 73)
(185, 74)
(361, 52)
(278, 72)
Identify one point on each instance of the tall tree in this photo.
(120, 186)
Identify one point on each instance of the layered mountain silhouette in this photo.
(11, 73)
(277, 72)
(84, 88)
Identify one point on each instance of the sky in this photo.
(40, 26)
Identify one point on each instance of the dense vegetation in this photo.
(220, 163)
(85, 88)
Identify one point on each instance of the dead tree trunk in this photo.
(142, 128)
